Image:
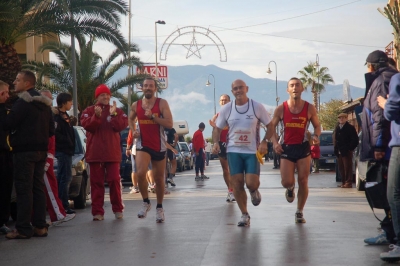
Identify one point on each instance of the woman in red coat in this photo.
(315, 154)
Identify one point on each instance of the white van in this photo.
(182, 128)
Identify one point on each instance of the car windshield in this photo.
(80, 141)
(184, 147)
(325, 140)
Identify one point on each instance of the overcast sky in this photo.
(254, 32)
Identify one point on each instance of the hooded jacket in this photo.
(103, 138)
(30, 122)
(375, 128)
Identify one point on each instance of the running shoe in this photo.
(153, 188)
(290, 194)
(166, 192)
(134, 190)
(5, 230)
(392, 255)
(204, 177)
(160, 215)
(67, 218)
(299, 219)
(143, 211)
(244, 220)
(197, 178)
(230, 197)
(118, 215)
(377, 240)
(171, 181)
(255, 197)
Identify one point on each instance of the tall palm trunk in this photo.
(315, 95)
(10, 63)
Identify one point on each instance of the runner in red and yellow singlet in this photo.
(294, 146)
(153, 116)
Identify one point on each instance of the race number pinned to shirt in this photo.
(242, 137)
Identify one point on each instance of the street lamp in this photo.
(276, 80)
(208, 84)
(155, 25)
(276, 86)
(316, 65)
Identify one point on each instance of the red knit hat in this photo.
(102, 88)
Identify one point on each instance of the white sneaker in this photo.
(160, 215)
(134, 190)
(244, 220)
(143, 211)
(230, 197)
(391, 255)
(68, 217)
(119, 215)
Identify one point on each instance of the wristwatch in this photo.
(114, 114)
(152, 116)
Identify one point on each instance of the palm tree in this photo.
(91, 70)
(392, 13)
(20, 19)
(315, 79)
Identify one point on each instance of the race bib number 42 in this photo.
(242, 137)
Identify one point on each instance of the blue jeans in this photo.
(64, 176)
(208, 157)
(393, 190)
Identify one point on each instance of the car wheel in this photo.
(360, 185)
(80, 200)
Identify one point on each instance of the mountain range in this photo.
(190, 99)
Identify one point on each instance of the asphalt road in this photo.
(201, 229)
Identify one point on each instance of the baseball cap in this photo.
(377, 56)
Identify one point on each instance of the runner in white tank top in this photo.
(243, 116)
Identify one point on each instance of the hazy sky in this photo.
(254, 32)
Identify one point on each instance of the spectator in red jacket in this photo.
(103, 123)
(198, 149)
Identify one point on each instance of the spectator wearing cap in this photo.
(346, 140)
(198, 150)
(103, 123)
(375, 128)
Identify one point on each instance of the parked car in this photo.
(212, 155)
(360, 167)
(80, 185)
(180, 160)
(327, 160)
(187, 156)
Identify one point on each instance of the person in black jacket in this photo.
(30, 123)
(65, 147)
(6, 178)
(346, 140)
(376, 129)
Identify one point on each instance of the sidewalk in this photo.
(201, 229)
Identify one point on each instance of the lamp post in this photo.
(155, 25)
(208, 84)
(276, 80)
(276, 86)
(316, 65)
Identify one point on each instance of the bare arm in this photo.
(166, 119)
(216, 133)
(132, 117)
(315, 122)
